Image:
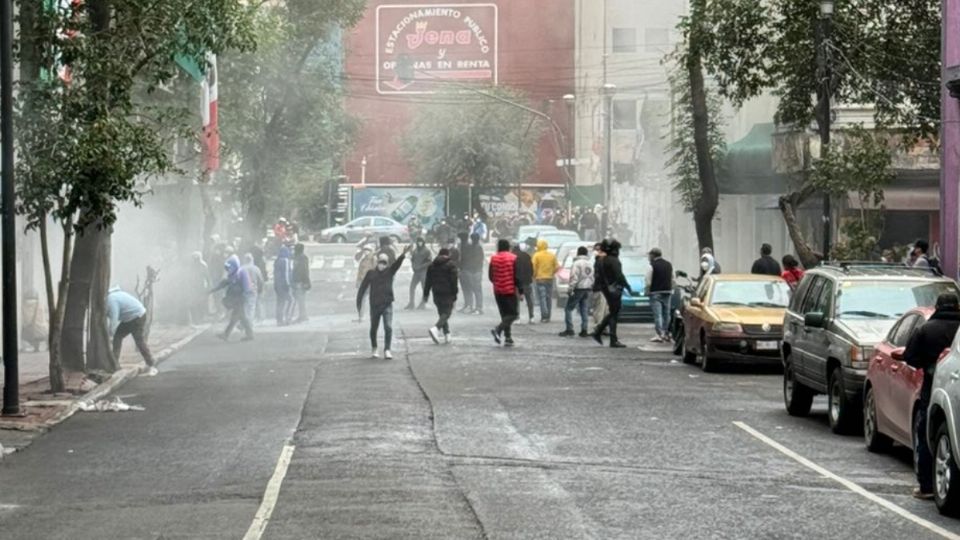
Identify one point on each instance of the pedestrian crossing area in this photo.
(344, 262)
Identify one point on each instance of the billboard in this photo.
(507, 208)
(401, 203)
(425, 48)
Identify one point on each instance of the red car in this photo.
(892, 388)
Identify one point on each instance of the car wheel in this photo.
(339, 239)
(796, 397)
(685, 353)
(706, 363)
(677, 342)
(946, 476)
(840, 411)
(875, 441)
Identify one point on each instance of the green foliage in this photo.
(84, 145)
(470, 138)
(682, 162)
(860, 163)
(281, 108)
(887, 53)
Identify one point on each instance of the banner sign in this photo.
(401, 203)
(423, 48)
(526, 205)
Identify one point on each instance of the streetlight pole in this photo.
(363, 169)
(826, 74)
(11, 360)
(571, 101)
(609, 90)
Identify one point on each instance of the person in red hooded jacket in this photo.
(503, 275)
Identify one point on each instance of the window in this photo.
(656, 40)
(381, 222)
(904, 331)
(361, 222)
(810, 300)
(624, 40)
(887, 299)
(624, 114)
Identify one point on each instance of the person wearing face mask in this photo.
(471, 266)
(380, 283)
(612, 284)
(442, 282)
(420, 260)
(708, 263)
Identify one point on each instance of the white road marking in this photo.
(255, 532)
(339, 262)
(318, 263)
(856, 488)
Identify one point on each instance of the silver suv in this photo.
(836, 317)
(942, 430)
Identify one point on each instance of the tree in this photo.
(885, 53)
(684, 162)
(859, 163)
(482, 139)
(281, 106)
(88, 139)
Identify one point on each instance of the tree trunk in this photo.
(78, 298)
(788, 207)
(100, 353)
(706, 207)
(53, 326)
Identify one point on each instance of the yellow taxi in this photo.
(735, 318)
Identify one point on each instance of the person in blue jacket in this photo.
(126, 316)
(239, 298)
(282, 279)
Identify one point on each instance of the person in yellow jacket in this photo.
(545, 265)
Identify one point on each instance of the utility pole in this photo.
(609, 90)
(11, 360)
(826, 74)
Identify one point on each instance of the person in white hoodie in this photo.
(580, 290)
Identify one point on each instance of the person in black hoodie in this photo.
(923, 350)
(611, 283)
(380, 282)
(441, 279)
(525, 276)
(460, 260)
(766, 265)
(472, 273)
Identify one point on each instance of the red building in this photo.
(399, 54)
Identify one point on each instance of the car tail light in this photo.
(860, 357)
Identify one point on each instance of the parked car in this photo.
(636, 306)
(735, 318)
(942, 425)
(531, 231)
(359, 228)
(892, 389)
(836, 318)
(561, 280)
(557, 238)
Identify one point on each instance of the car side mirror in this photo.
(696, 302)
(897, 354)
(814, 320)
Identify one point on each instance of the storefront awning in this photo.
(917, 199)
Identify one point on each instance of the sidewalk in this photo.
(43, 410)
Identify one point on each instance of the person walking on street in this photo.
(923, 349)
(599, 310)
(301, 282)
(479, 228)
(420, 259)
(256, 279)
(660, 290)
(766, 265)
(525, 276)
(380, 282)
(472, 274)
(590, 225)
(239, 298)
(792, 273)
(126, 316)
(503, 274)
(544, 267)
(460, 257)
(441, 280)
(612, 284)
(282, 280)
(580, 289)
(366, 258)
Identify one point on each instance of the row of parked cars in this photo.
(841, 333)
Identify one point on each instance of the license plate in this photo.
(768, 345)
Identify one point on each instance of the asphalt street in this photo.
(556, 438)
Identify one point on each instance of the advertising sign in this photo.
(401, 203)
(508, 208)
(423, 48)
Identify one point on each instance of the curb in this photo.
(118, 379)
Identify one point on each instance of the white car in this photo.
(942, 430)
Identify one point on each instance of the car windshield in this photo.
(554, 241)
(634, 265)
(531, 230)
(887, 299)
(774, 294)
